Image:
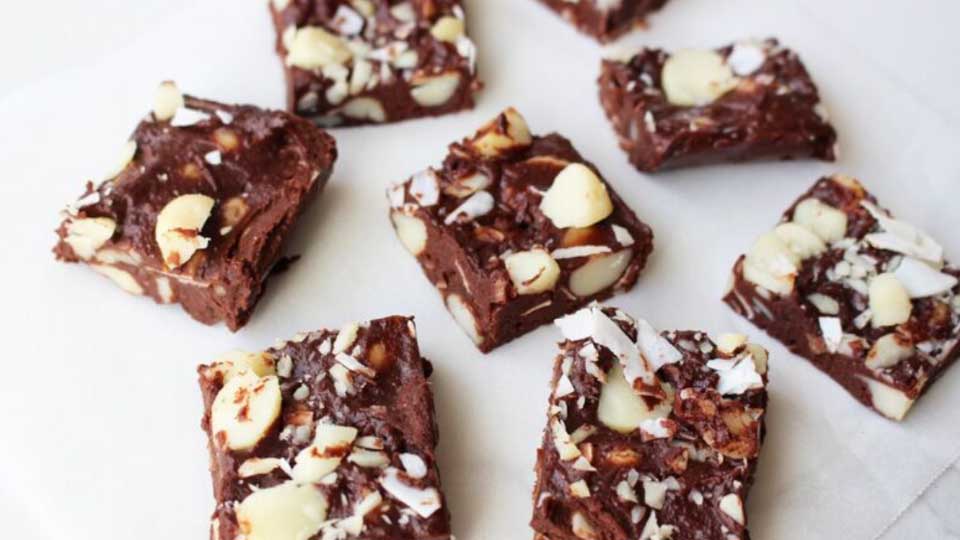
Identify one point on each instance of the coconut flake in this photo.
(832, 332)
(187, 117)
(622, 235)
(578, 251)
(477, 205)
(422, 501)
(655, 348)
(414, 465)
(902, 237)
(425, 187)
(736, 375)
(745, 58)
(920, 280)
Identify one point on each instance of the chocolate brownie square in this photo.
(515, 230)
(354, 62)
(330, 435)
(605, 20)
(199, 207)
(867, 298)
(651, 435)
(749, 100)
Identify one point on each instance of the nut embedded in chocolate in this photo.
(866, 298)
(749, 100)
(605, 20)
(200, 204)
(354, 62)
(649, 435)
(515, 230)
(311, 438)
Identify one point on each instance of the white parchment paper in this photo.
(99, 407)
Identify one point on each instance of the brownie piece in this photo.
(603, 19)
(199, 207)
(353, 62)
(868, 299)
(750, 100)
(649, 435)
(330, 435)
(515, 230)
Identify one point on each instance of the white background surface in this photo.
(99, 430)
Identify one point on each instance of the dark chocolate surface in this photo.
(398, 51)
(387, 399)
(843, 273)
(709, 450)
(260, 167)
(773, 112)
(464, 257)
(604, 24)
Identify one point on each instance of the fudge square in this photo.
(374, 61)
(200, 204)
(750, 100)
(867, 298)
(515, 230)
(603, 19)
(330, 435)
(650, 435)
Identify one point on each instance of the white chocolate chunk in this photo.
(889, 401)
(330, 444)
(695, 77)
(425, 502)
(87, 235)
(126, 155)
(732, 506)
(491, 141)
(464, 316)
(178, 227)
(800, 240)
(889, 301)
(921, 280)
(435, 90)
(737, 375)
(285, 512)
(577, 198)
(888, 351)
(312, 47)
(621, 409)
(771, 265)
(245, 410)
(600, 273)
(827, 222)
(411, 231)
(532, 272)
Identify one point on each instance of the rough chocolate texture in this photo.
(683, 473)
(604, 23)
(392, 61)
(773, 112)
(385, 396)
(464, 254)
(259, 167)
(888, 366)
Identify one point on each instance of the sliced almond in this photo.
(287, 511)
(330, 445)
(245, 410)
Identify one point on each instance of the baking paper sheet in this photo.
(99, 430)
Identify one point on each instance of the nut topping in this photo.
(695, 77)
(505, 133)
(532, 272)
(287, 511)
(577, 198)
(178, 227)
(889, 301)
(87, 235)
(245, 409)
